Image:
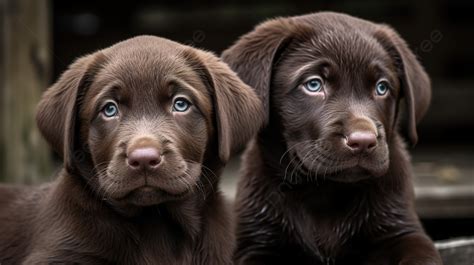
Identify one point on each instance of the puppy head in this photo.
(141, 120)
(336, 85)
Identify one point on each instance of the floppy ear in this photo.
(57, 112)
(253, 55)
(237, 109)
(415, 83)
(56, 102)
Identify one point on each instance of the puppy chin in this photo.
(149, 196)
(360, 172)
(375, 169)
(132, 197)
(351, 175)
(137, 200)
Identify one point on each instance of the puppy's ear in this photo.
(57, 100)
(415, 83)
(56, 114)
(237, 109)
(253, 55)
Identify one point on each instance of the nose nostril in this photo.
(354, 145)
(372, 145)
(154, 162)
(134, 163)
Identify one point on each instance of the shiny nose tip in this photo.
(144, 158)
(361, 141)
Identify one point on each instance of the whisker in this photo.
(300, 164)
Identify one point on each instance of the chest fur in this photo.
(346, 225)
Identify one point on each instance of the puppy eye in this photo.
(381, 88)
(110, 110)
(181, 105)
(314, 85)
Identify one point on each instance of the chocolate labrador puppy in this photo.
(328, 180)
(144, 128)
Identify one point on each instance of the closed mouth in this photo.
(148, 196)
(327, 164)
(154, 190)
(142, 183)
(355, 167)
(352, 174)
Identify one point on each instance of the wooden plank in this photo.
(25, 72)
(445, 202)
(444, 181)
(457, 251)
(2, 82)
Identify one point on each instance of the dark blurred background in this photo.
(439, 32)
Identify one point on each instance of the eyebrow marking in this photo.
(306, 67)
(383, 70)
(201, 101)
(107, 91)
(301, 70)
(186, 85)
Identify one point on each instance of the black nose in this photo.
(362, 141)
(144, 158)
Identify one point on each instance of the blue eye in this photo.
(381, 88)
(110, 110)
(314, 85)
(181, 105)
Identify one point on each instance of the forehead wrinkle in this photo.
(346, 46)
(147, 72)
(146, 64)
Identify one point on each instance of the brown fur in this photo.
(101, 211)
(305, 196)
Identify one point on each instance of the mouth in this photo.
(352, 174)
(148, 196)
(350, 169)
(174, 180)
